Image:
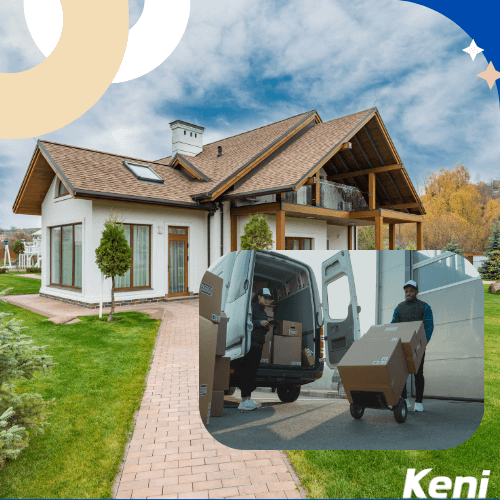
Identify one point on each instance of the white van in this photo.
(299, 302)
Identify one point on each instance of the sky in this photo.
(247, 63)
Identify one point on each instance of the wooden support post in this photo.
(379, 232)
(234, 233)
(371, 191)
(349, 237)
(420, 235)
(280, 230)
(392, 237)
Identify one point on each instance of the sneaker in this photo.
(419, 407)
(257, 405)
(247, 405)
(408, 404)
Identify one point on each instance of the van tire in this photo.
(400, 411)
(288, 393)
(356, 411)
(230, 391)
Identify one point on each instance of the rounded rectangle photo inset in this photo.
(341, 350)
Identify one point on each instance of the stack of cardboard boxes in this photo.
(214, 367)
(380, 362)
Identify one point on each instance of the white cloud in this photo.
(244, 64)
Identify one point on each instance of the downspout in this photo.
(210, 214)
(221, 208)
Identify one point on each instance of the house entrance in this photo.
(177, 261)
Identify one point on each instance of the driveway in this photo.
(313, 423)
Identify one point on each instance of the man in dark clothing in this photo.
(250, 362)
(413, 309)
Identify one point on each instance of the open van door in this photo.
(340, 306)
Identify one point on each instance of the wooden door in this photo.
(177, 261)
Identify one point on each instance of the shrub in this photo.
(34, 270)
(257, 234)
(3, 270)
(21, 415)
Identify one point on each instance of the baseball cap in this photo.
(411, 283)
(265, 292)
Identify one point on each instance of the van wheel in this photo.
(230, 391)
(356, 411)
(288, 393)
(401, 411)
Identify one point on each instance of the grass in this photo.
(20, 284)
(381, 474)
(98, 385)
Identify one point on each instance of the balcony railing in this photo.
(332, 195)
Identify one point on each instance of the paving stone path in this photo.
(171, 453)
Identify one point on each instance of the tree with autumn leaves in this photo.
(458, 211)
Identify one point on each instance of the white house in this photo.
(316, 181)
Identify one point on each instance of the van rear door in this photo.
(238, 298)
(340, 306)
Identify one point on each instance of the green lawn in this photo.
(19, 284)
(98, 385)
(381, 474)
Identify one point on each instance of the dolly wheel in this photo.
(288, 393)
(401, 411)
(356, 411)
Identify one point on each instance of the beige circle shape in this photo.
(73, 78)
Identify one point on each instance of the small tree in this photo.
(453, 247)
(18, 249)
(257, 235)
(113, 256)
(490, 269)
(21, 415)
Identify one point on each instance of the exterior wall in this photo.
(303, 228)
(337, 237)
(92, 215)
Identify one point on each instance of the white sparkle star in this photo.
(473, 50)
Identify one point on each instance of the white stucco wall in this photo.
(337, 237)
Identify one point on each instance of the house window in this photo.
(61, 190)
(139, 275)
(298, 243)
(143, 172)
(66, 256)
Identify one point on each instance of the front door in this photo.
(177, 261)
(340, 306)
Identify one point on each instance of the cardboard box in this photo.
(221, 374)
(292, 285)
(208, 343)
(287, 351)
(303, 280)
(267, 350)
(289, 329)
(217, 409)
(220, 350)
(211, 297)
(307, 357)
(374, 365)
(412, 336)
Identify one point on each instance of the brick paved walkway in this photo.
(171, 454)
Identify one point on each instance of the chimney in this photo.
(186, 138)
(219, 151)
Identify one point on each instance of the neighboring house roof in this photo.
(279, 156)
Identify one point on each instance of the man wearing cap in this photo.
(250, 362)
(413, 309)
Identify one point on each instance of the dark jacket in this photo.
(416, 310)
(259, 331)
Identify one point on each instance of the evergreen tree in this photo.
(113, 256)
(490, 269)
(257, 235)
(453, 247)
(21, 415)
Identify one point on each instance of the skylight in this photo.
(143, 172)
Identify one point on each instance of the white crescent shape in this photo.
(151, 40)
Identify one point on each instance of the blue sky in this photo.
(243, 64)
